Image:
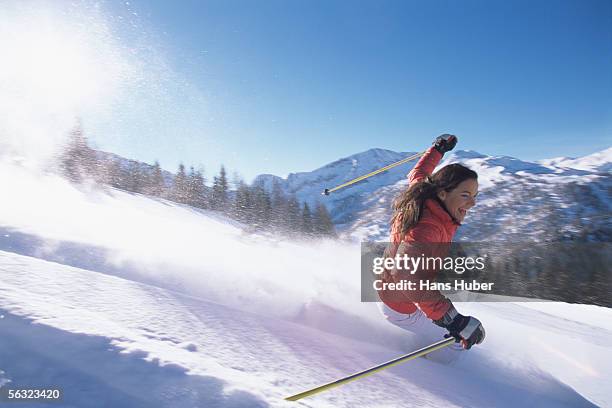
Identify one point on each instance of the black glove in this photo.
(445, 143)
(465, 329)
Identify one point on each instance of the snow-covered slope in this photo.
(112, 342)
(546, 200)
(155, 240)
(201, 314)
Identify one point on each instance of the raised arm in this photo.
(432, 157)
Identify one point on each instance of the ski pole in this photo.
(417, 353)
(327, 191)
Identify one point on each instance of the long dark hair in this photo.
(408, 206)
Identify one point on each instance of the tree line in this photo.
(563, 271)
(252, 205)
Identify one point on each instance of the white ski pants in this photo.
(425, 332)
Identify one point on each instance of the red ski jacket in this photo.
(435, 226)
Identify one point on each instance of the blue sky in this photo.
(285, 86)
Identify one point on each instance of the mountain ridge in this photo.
(363, 209)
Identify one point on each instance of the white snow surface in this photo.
(94, 325)
(199, 313)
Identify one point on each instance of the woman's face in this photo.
(461, 199)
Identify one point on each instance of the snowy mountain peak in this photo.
(375, 154)
(458, 155)
(556, 188)
(599, 162)
(370, 157)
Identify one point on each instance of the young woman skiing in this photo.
(425, 215)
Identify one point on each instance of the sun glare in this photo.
(57, 65)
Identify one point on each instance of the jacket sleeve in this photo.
(425, 165)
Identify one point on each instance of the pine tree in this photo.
(136, 180)
(196, 189)
(293, 216)
(200, 183)
(323, 225)
(242, 208)
(157, 185)
(190, 193)
(262, 207)
(279, 207)
(113, 174)
(78, 160)
(179, 186)
(219, 198)
(307, 224)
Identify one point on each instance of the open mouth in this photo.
(462, 212)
